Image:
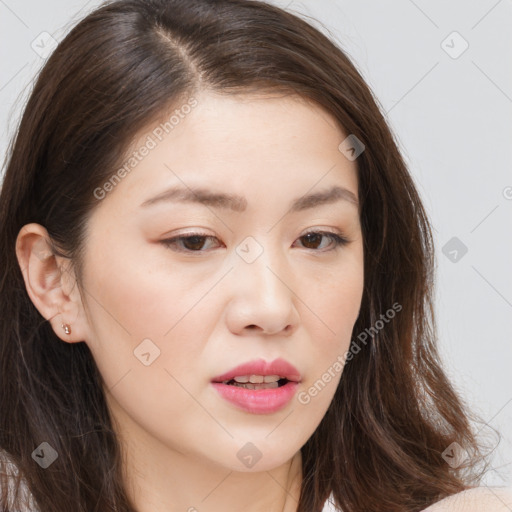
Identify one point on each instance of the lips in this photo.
(280, 367)
(262, 398)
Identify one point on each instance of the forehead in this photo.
(241, 143)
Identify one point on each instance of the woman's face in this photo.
(164, 319)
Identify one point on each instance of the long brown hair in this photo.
(380, 445)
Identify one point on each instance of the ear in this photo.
(51, 283)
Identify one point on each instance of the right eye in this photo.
(192, 242)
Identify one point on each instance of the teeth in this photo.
(248, 385)
(257, 379)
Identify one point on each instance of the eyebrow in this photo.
(239, 203)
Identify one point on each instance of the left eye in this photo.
(194, 242)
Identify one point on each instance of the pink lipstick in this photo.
(259, 387)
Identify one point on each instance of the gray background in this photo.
(451, 111)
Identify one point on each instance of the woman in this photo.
(217, 289)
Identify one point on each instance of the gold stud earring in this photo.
(67, 328)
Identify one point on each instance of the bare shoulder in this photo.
(477, 499)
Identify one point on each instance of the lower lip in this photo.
(257, 401)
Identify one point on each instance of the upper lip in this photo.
(261, 367)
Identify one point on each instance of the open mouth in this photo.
(262, 385)
(258, 394)
(258, 386)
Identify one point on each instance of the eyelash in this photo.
(338, 240)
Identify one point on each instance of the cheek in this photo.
(133, 298)
(149, 323)
(150, 401)
(145, 336)
(334, 299)
(334, 303)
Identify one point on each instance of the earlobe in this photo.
(49, 284)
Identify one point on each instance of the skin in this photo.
(208, 312)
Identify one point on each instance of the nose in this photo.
(262, 299)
